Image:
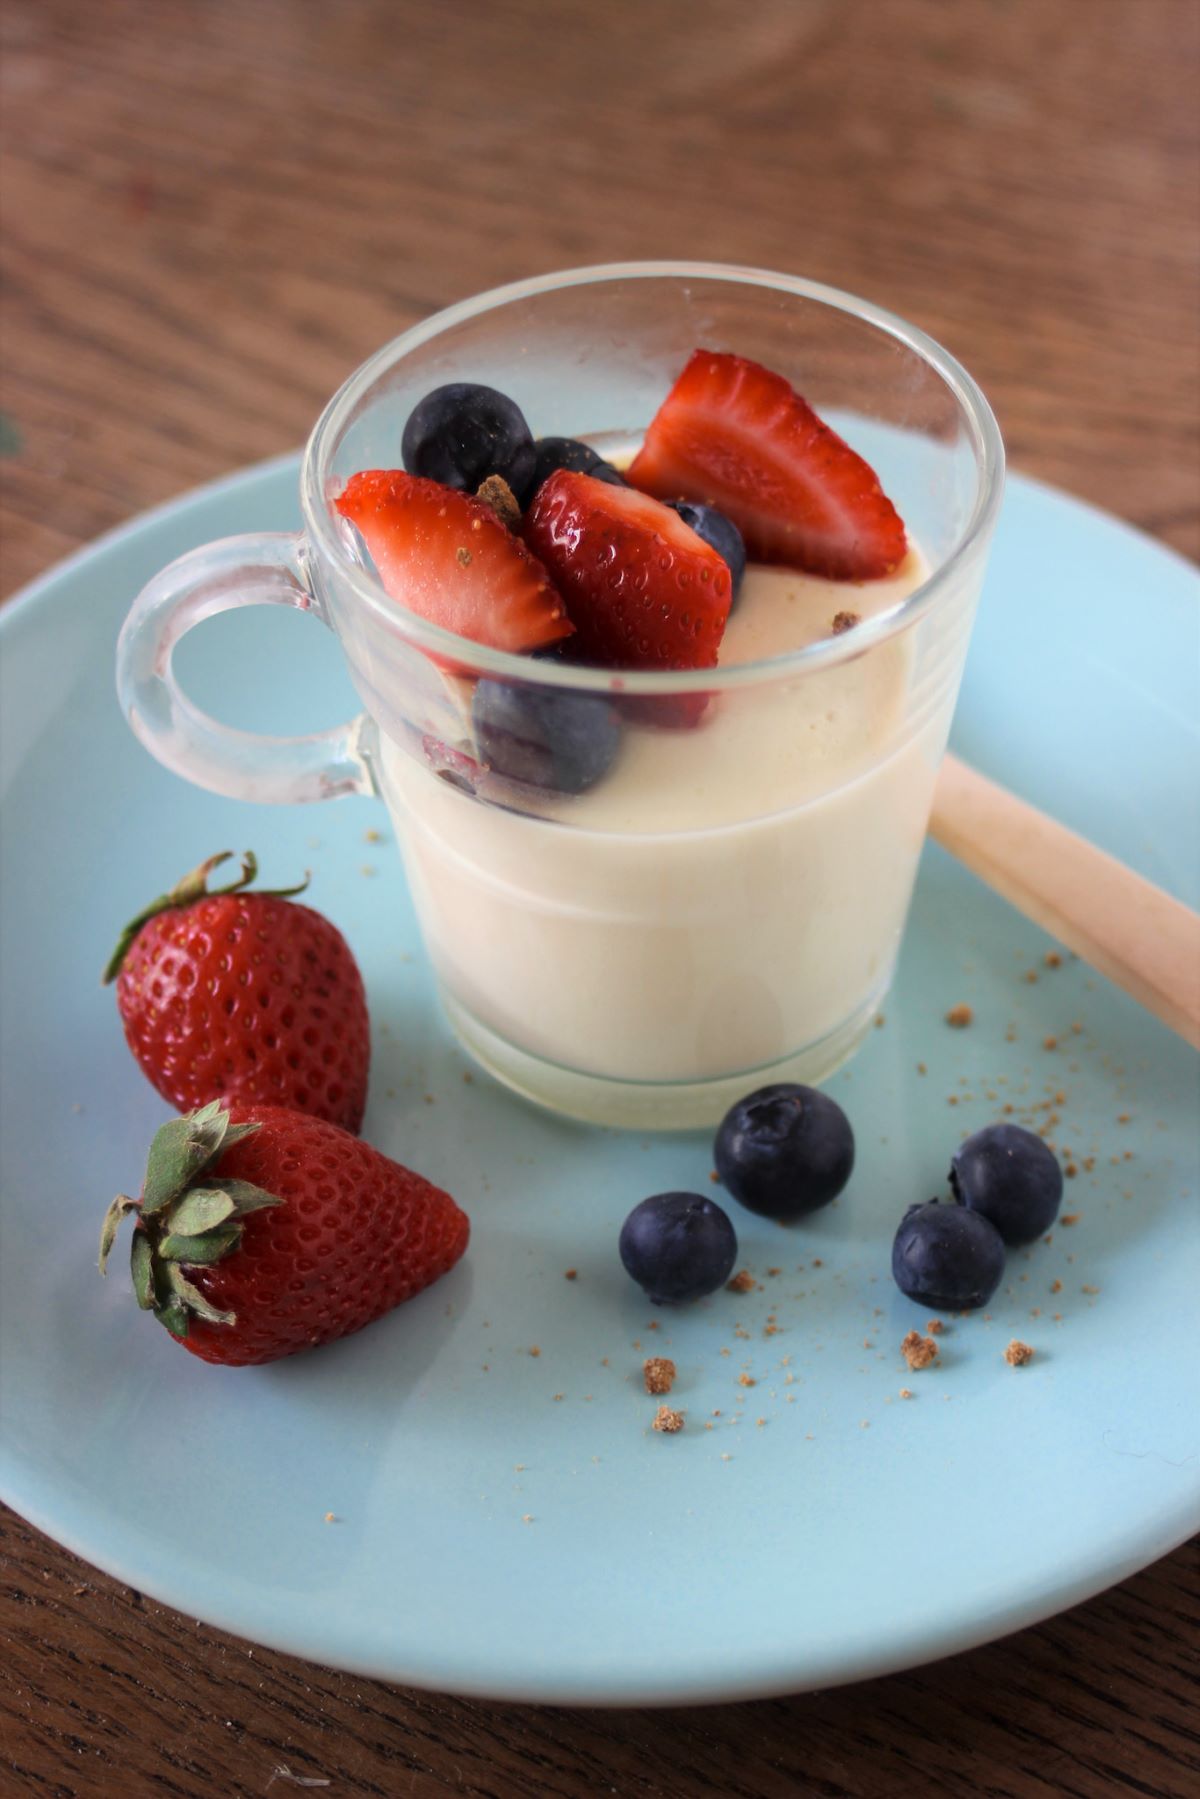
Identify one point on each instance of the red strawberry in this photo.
(448, 557)
(245, 995)
(261, 1232)
(733, 435)
(642, 589)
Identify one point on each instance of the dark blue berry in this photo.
(462, 433)
(553, 453)
(784, 1150)
(1008, 1176)
(719, 532)
(678, 1246)
(547, 738)
(947, 1258)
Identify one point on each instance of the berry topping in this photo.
(947, 1258)
(641, 588)
(558, 740)
(461, 433)
(1008, 1176)
(553, 453)
(720, 532)
(678, 1246)
(784, 1150)
(448, 557)
(732, 434)
(261, 1231)
(244, 995)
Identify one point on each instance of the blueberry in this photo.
(678, 1246)
(719, 532)
(563, 741)
(1008, 1176)
(462, 433)
(784, 1150)
(553, 453)
(947, 1258)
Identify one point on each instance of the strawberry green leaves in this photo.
(187, 1217)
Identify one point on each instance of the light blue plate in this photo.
(507, 1524)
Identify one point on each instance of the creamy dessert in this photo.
(675, 892)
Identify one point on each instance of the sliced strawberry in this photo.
(641, 588)
(733, 435)
(448, 557)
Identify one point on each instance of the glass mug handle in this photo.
(259, 569)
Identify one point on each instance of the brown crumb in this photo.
(1049, 1042)
(1056, 1286)
(330, 1518)
(959, 1017)
(1070, 1218)
(746, 1380)
(774, 1270)
(1052, 959)
(921, 1068)
(918, 1351)
(817, 1262)
(570, 1274)
(1070, 1171)
(845, 621)
(667, 1420)
(1018, 1353)
(462, 556)
(372, 836)
(742, 1282)
(935, 1327)
(535, 1350)
(1086, 1289)
(526, 1517)
(1031, 976)
(1076, 1028)
(714, 1177)
(1124, 1117)
(906, 1392)
(496, 493)
(658, 1372)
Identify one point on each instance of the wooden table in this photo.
(211, 213)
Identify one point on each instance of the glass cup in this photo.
(724, 906)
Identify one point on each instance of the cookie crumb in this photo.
(372, 836)
(918, 1351)
(658, 1372)
(742, 1282)
(1052, 959)
(1031, 976)
(331, 1518)
(1056, 1286)
(496, 493)
(714, 1177)
(845, 621)
(667, 1420)
(1070, 1171)
(526, 1517)
(774, 1270)
(534, 1350)
(746, 1380)
(921, 1068)
(1070, 1218)
(959, 1017)
(1018, 1353)
(570, 1274)
(1086, 1289)
(906, 1392)
(1049, 1042)
(935, 1327)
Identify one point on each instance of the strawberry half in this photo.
(641, 588)
(733, 435)
(261, 1231)
(447, 556)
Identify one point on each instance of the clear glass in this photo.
(724, 907)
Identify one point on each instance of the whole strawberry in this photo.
(261, 1232)
(244, 995)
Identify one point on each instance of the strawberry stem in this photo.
(194, 886)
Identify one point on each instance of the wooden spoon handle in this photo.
(1133, 932)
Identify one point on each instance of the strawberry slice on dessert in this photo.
(448, 557)
(734, 435)
(641, 588)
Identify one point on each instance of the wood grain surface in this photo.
(211, 213)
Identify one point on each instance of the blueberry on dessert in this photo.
(462, 433)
